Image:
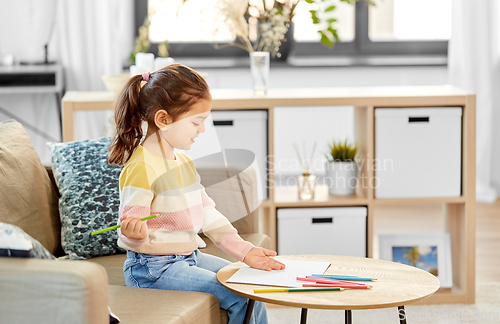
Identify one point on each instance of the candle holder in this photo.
(306, 183)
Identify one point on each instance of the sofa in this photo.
(80, 291)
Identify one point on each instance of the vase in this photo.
(259, 69)
(306, 183)
(342, 177)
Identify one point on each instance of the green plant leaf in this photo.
(331, 20)
(314, 17)
(331, 8)
(342, 151)
(309, 1)
(334, 33)
(325, 40)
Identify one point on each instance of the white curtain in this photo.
(93, 38)
(90, 38)
(473, 65)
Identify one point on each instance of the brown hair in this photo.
(173, 88)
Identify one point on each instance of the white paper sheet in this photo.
(280, 278)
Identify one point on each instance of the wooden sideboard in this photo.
(459, 212)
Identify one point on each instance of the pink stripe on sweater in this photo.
(180, 220)
(234, 245)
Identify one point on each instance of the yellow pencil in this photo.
(296, 289)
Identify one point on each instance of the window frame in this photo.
(359, 51)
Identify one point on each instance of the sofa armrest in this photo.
(48, 291)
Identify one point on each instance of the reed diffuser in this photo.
(306, 180)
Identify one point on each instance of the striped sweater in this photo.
(171, 189)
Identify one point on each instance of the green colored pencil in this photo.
(296, 289)
(118, 226)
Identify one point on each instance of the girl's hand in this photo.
(133, 228)
(260, 258)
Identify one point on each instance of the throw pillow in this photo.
(14, 242)
(28, 199)
(90, 198)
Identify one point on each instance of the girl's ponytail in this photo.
(128, 120)
(174, 89)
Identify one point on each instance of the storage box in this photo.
(418, 152)
(330, 231)
(245, 130)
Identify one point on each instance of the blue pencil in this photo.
(338, 277)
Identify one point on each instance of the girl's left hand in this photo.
(260, 258)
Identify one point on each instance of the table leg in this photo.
(248, 314)
(303, 316)
(402, 314)
(348, 317)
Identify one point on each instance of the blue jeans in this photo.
(194, 272)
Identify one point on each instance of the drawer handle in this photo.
(317, 220)
(223, 123)
(418, 119)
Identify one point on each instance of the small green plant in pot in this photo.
(341, 168)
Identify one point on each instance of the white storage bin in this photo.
(330, 231)
(245, 130)
(418, 152)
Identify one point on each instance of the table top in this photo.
(397, 285)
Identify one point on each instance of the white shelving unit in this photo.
(459, 212)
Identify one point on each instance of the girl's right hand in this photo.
(133, 228)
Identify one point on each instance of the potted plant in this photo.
(341, 168)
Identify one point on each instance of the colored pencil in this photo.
(317, 275)
(343, 277)
(327, 281)
(297, 289)
(338, 285)
(118, 226)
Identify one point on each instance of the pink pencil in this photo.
(338, 285)
(328, 281)
(335, 281)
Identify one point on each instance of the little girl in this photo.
(162, 253)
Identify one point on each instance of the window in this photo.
(391, 30)
(400, 20)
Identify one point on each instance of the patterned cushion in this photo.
(14, 242)
(89, 190)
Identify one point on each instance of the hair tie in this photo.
(145, 76)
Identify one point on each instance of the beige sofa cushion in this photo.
(151, 306)
(48, 291)
(27, 196)
(114, 267)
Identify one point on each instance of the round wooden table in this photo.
(396, 285)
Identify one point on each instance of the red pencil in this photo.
(338, 285)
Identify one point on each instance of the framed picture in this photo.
(429, 252)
